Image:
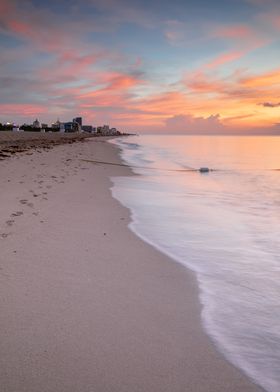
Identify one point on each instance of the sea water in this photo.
(224, 225)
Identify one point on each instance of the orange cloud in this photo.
(118, 80)
(268, 79)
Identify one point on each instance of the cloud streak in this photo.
(270, 104)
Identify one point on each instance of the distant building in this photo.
(43, 125)
(106, 129)
(87, 128)
(56, 125)
(62, 127)
(69, 126)
(36, 124)
(103, 130)
(78, 120)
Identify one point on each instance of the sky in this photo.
(181, 66)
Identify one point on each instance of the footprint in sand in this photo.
(10, 222)
(4, 235)
(23, 201)
(18, 213)
(31, 205)
(35, 213)
(49, 186)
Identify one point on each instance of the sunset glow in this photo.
(140, 66)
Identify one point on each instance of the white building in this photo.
(36, 123)
(61, 127)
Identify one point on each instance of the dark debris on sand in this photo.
(10, 147)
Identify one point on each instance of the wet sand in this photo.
(86, 305)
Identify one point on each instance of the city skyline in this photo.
(189, 66)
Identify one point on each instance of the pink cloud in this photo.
(25, 109)
(244, 38)
(225, 58)
(118, 80)
(6, 7)
(20, 28)
(70, 66)
(272, 19)
(45, 30)
(203, 83)
(237, 31)
(115, 91)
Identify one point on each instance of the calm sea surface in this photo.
(224, 225)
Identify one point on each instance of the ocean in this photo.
(223, 225)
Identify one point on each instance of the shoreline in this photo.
(88, 305)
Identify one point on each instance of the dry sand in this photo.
(86, 306)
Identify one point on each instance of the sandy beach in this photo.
(15, 142)
(86, 306)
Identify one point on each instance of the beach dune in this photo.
(86, 305)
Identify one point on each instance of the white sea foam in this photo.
(225, 226)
